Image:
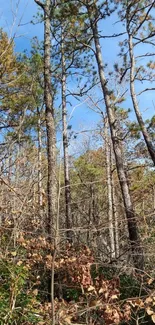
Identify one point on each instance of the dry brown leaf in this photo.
(139, 303)
(153, 318)
(49, 257)
(93, 303)
(91, 288)
(35, 292)
(149, 311)
(148, 300)
(67, 320)
(21, 239)
(150, 281)
(114, 297)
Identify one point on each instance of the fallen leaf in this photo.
(149, 299)
(93, 303)
(101, 290)
(114, 297)
(91, 288)
(139, 303)
(149, 311)
(13, 253)
(153, 318)
(150, 281)
(67, 320)
(35, 292)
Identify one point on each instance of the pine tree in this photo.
(137, 253)
(50, 124)
(138, 19)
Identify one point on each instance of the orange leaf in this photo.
(149, 299)
(150, 281)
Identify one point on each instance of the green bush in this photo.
(18, 302)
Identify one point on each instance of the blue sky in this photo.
(20, 16)
(26, 10)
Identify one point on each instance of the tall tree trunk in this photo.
(153, 198)
(53, 222)
(15, 199)
(137, 251)
(115, 221)
(9, 167)
(65, 143)
(114, 205)
(40, 197)
(147, 139)
(50, 125)
(109, 190)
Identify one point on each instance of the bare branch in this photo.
(147, 89)
(112, 36)
(39, 3)
(144, 55)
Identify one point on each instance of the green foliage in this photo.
(18, 303)
(108, 272)
(72, 294)
(90, 165)
(129, 286)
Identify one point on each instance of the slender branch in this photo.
(112, 36)
(39, 3)
(146, 15)
(143, 91)
(144, 40)
(123, 75)
(144, 55)
(84, 44)
(11, 188)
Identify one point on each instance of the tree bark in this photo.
(68, 216)
(40, 197)
(143, 128)
(137, 251)
(114, 205)
(109, 190)
(50, 126)
(52, 222)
